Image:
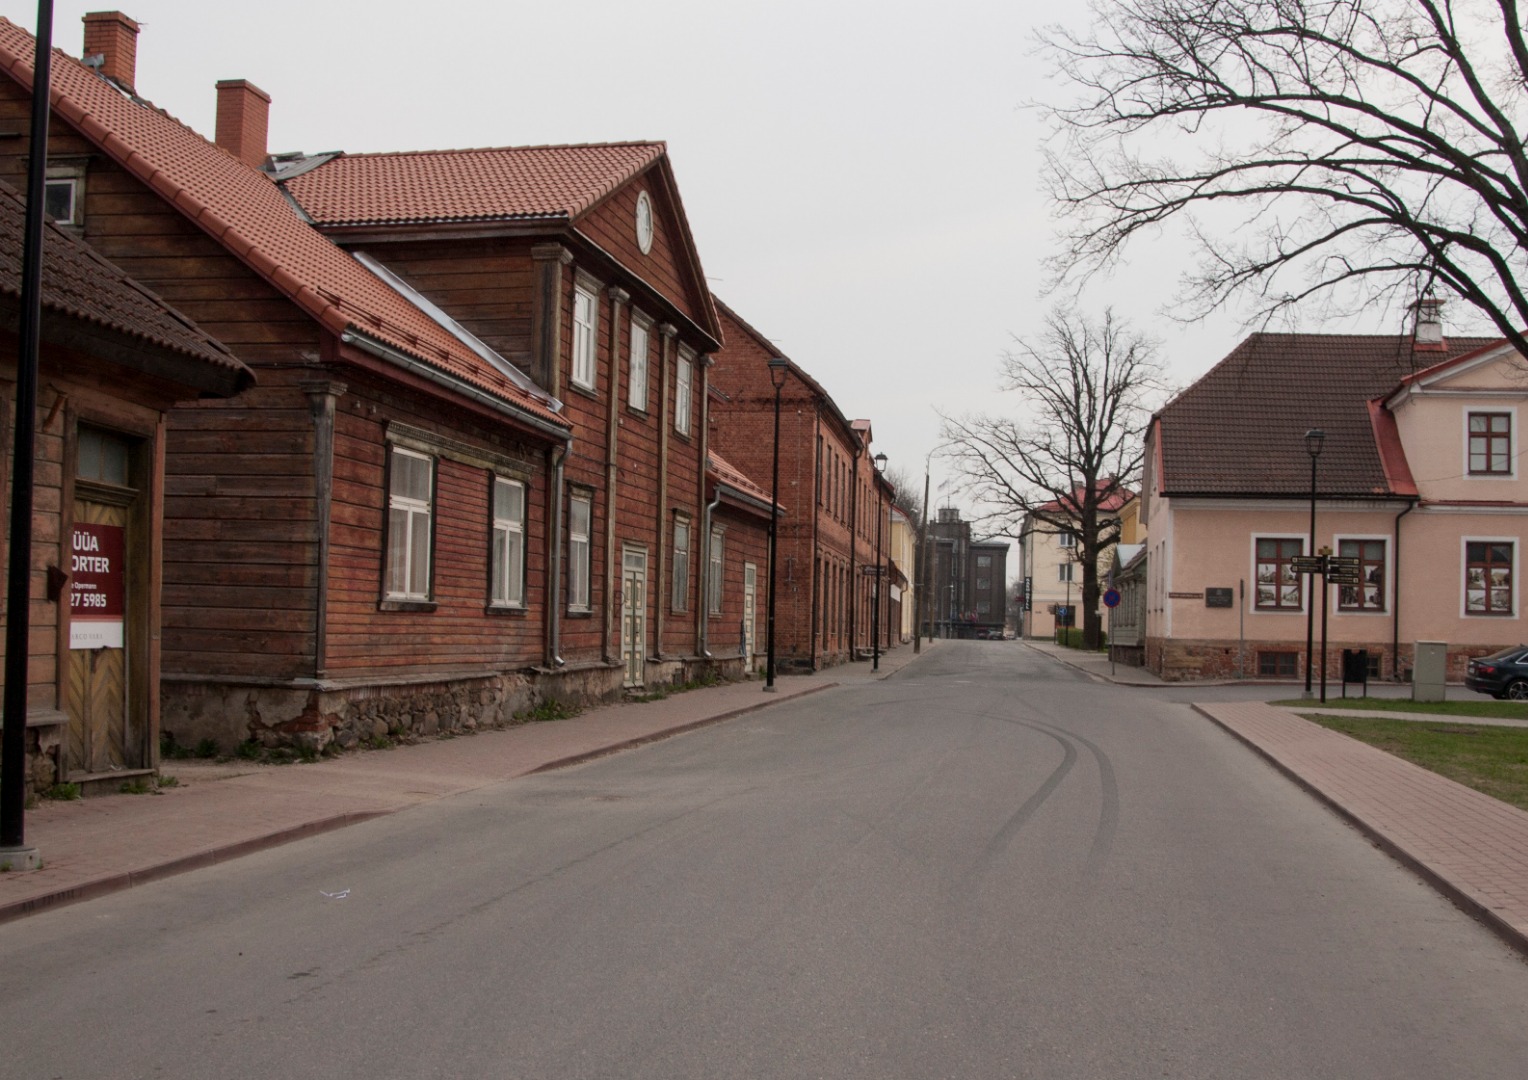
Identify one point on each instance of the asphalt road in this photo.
(986, 866)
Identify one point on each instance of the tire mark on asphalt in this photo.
(1108, 816)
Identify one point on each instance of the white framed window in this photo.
(507, 559)
(1277, 585)
(61, 199)
(684, 378)
(580, 515)
(681, 598)
(1491, 443)
(636, 376)
(410, 491)
(714, 558)
(1490, 576)
(586, 320)
(1066, 540)
(1372, 553)
(1064, 572)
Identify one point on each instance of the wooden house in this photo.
(363, 545)
(576, 263)
(113, 358)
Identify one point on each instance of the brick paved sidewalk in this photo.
(1470, 846)
(99, 845)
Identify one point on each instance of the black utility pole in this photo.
(18, 615)
(880, 567)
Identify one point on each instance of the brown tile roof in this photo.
(78, 282)
(244, 211)
(504, 183)
(1239, 429)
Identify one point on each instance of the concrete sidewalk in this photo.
(221, 811)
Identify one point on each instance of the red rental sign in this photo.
(97, 589)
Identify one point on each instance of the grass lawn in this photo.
(1482, 706)
(1490, 759)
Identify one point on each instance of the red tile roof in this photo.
(243, 210)
(1239, 430)
(721, 471)
(1113, 501)
(504, 183)
(78, 282)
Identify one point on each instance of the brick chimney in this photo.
(243, 118)
(114, 37)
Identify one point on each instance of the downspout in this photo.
(665, 418)
(322, 395)
(618, 298)
(705, 597)
(703, 614)
(854, 487)
(1395, 638)
(819, 603)
(556, 456)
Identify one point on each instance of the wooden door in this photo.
(750, 589)
(98, 604)
(634, 615)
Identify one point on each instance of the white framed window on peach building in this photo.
(1276, 586)
(1371, 596)
(1489, 565)
(1490, 442)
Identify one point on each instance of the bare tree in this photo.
(909, 491)
(1366, 150)
(1073, 452)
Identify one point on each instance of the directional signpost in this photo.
(1334, 570)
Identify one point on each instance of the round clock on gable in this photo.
(644, 223)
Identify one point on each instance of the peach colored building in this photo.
(1418, 479)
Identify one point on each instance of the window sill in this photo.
(580, 613)
(506, 609)
(406, 605)
(587, 391)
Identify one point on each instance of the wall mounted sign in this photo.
(97, 587)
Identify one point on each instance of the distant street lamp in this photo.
(880, 568)
(1313, 440)
(779, 368)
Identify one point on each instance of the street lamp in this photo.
(1313, 440)
(880, 568)
(779, 368)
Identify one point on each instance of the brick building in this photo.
(830, 499)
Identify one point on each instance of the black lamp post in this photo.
(14, 852)
(779, 368)
(880, 567)
(1313, 440)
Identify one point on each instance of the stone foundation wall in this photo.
(326, 719)
(1178, 661)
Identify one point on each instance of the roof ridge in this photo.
(658, 144)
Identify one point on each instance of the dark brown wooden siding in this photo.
(612, 226)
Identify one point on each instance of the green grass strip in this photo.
(1490, 759)
(1501, 710)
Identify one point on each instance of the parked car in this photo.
(1502, 674)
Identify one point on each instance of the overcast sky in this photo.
(861, 178)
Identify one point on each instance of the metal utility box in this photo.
(1429, 673)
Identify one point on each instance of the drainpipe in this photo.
(618, 299)
(1395, 590)
(819, 594)
(853, 536)
(702, 444)
(557, 455)
(705, 592)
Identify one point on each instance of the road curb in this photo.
(1456, 894)
(90, 890)
(668, 733)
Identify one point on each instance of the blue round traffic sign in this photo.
(1111, 598)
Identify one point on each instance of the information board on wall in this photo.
(97, 587)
